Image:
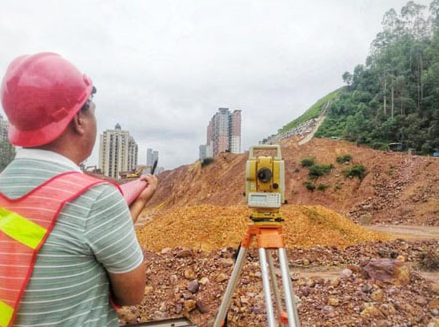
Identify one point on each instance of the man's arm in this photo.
(128, 288)
(110, 234)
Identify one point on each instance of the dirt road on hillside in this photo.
(408, 232)
(321, 119)
(334, 272)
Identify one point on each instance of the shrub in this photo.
(428, 260)
(319, 170)
(322, 187)
(356, 171)
(207, 161)
(309, 186)
(338, 187)
(308, 162)
(380, 146)
(343, 159)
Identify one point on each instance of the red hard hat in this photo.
(40, 95)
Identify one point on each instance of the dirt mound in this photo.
(210, 228)
(398, 188)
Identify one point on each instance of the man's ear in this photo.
(78, 123)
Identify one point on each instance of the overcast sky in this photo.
(163, 68)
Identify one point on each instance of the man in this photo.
(79, 230)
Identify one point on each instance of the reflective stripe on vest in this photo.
(21, 229)
(25, 224)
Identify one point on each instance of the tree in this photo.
(395, 95)
(347, 78)
(7, 153)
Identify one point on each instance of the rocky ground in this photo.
(378, 285)
(399, 196)
(421, 254)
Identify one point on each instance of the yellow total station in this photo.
(265, 183)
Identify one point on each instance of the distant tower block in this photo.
(118, 151)
(223, 134)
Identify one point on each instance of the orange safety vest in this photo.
(25, 224)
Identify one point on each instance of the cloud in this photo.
(163, 68)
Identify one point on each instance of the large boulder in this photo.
(387, 270)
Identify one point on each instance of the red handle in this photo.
(131, 190)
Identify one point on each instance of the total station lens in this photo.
(264, 175)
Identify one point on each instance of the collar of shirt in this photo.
(45, 155)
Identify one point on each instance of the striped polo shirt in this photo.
(94, 234)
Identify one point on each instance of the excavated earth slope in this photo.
(398, 189)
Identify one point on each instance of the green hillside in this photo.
(310, 113)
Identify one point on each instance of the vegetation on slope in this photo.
(394, 96)
(311, 113)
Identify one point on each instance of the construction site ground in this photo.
(411, 233)
(183, 282)
(198, 216)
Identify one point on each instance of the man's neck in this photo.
(71, 153)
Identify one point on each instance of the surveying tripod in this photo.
(269, 237)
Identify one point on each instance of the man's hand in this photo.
(144, 197)
(148, 192)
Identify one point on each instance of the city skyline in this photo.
(131, 162)
(118, 150)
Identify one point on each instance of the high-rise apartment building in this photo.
(132, 154)
(202, 151)
(223, 134)
(118, 151)
(235, 131)
(152, 156)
